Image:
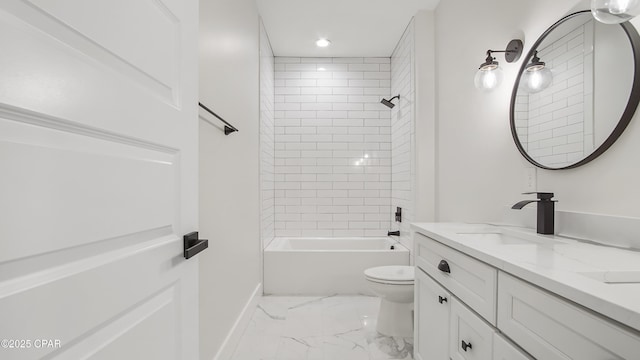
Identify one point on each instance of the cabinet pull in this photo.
(444, 266)
(442, 299)
(466, 346)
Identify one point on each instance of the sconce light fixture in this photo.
(537, 75)
(614, 11)
(489, 75)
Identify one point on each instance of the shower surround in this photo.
(332, 173)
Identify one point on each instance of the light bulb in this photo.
(488, 79)
(537, 80)
(323, 43)
(618, 7)
(614, 11)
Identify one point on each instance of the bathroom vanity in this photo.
(506, 293)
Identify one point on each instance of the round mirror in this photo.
(577, 90)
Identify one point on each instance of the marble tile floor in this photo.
(319, 328)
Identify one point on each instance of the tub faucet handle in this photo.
(393, 233)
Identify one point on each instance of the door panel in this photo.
(150, 54)
(62, 171)
(98, 178)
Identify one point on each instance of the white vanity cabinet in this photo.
(472, 281)
(432, 314)
(504, 350)
(448, 285)
(491, 315)
(551, 328)
(471, 337)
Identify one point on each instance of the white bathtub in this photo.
(326, 266)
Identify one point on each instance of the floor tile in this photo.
(319, 328)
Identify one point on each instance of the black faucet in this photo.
(394, 233)
(545, 211)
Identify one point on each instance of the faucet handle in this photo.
(541, 195)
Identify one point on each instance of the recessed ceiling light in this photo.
(323, 43)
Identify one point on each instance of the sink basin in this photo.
(493, 238)
(614, 277)
(498, 238)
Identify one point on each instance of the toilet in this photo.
(394, 286)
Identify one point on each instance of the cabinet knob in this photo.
(466, 346)
(444, 266)
(442, 299)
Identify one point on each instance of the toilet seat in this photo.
(393, 275)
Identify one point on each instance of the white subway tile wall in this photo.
(554, 125)
(332, 146)
(267, 128)
(403, 134)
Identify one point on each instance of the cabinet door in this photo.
(504, 350)
(551, 328)
(433, 306)
(471, 337)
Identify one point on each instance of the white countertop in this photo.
(573, 269)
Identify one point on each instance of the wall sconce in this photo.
(614, 11)
(489, 75)
(536, 76)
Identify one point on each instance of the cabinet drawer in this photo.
(504, 350)
(472, 281)
(549, 327)
(471, 338)
(432, 311)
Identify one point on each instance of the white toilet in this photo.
(394, 286)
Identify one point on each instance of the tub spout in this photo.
(393, 233)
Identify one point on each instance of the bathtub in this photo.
(326, 266)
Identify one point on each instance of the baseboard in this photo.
(233, 337)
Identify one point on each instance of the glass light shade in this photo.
(536, 80)
(614, 11)
(488, 78)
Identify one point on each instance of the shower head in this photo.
(388, 103)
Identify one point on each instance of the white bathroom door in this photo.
(98, 179)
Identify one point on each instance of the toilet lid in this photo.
(400, 274)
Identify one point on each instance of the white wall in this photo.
(403, 133)
(613, 63)
(230, 270)
(479, 169)
(425, 117)
(332, 147)
(267, 138)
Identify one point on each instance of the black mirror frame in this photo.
(627, 115)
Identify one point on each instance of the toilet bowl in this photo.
(394, 286)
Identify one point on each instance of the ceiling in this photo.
(356, 28)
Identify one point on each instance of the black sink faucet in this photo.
(545, 211)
